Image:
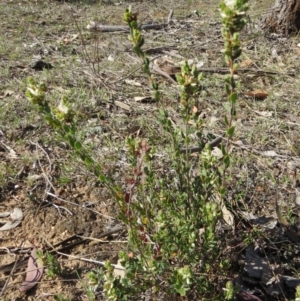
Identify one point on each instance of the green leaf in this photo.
(236, 54)
(230, 131)
(235, 66)
(226, 120)
(66, 128)
(96, 170)
(134, 24)
(51, 121)
(88, 161)
(137, 50)
(141, 42)
(80, 155)
(155, 85)
(77, 145)
(71, 140)
(223, 191)
(228, 88)
(156, 96)
(185, 68)
(102, 178)
(232, 97)
(146, 69)
(223, 149)
(226, 160)
(179, 78)
(146, 61)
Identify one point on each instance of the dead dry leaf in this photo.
(11, 153)
(34, 272)
(246, 63)
(16, 216)
(270, 153)
(132, 83)
(227, 215)
(4, 214)
(264, 113)
(119, 270)
(7, 93)
(122, 105)
(135, 129)
(258, 94)
(217, 153)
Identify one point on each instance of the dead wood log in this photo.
(94, 26)
(283, 17)
(114, 28)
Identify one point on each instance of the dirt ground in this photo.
(65, 208)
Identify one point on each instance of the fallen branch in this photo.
(172, 70)
(199, 149)
(94, 26)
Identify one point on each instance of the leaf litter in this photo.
(34, 272)
(16, 216)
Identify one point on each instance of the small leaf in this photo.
(122, 105)
(77, 145)
(217, 153)
(51, 121)
(258, 94)
(16, 216)
(230, 131)
(119, 270)
(227, 215)
(233, 97)
(4, 214)
(71, 140)
(155, 85)
(34, 272)
(102, 178)
(88, 161)
(246, 63)
(226, 120)
(80, 155)
(223, 149)
(226, 160)
(66, 128)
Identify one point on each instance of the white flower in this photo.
(230, 3)
(63, 108)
